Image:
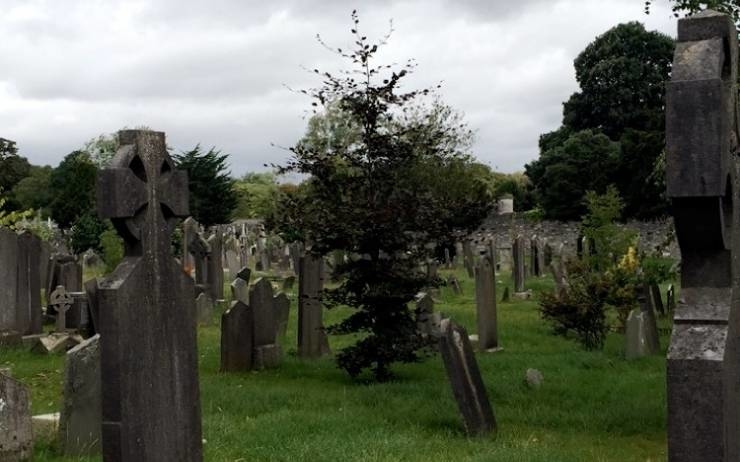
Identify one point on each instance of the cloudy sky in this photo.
(215, 72)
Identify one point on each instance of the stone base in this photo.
(45, 426)
(30, 340)
(267, 356)
(58, 342)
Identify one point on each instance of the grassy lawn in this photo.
(593, 406)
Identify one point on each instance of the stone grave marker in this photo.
(240, 290)
(703, 380)
(199, 250)
(244, 273)
(465, 379)
(518, 270)
(237, 338)
(425, 315)
(231, 256)
(148, 348)
(670, 297)
(60, 301)
(454, 284)
(312, 341)
(16, 438)
(215, 264)
(204, 307)
(282, 310)
(267, 351)
(468, 259)
(485, 303)
(28, 291)
(80, 418)
(8, 282)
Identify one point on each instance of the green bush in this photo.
(112, 246)
(85, 232)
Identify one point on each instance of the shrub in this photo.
(112, 247)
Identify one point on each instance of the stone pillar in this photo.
(215, 264)
(8, 281)
(149, 358)
(518, 270)
(312, 341)
(29, 284)
(485, 302)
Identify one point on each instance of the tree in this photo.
(33, 191)
(729, 7)
(257, 195)
(376, 198)
(212, 195)
(72, 186)
(13, 168)
(7, 148)
(102, 149)
(621, 76)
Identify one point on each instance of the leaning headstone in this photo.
(215, 264)
(79, 420)
(16, 438)
(148, 344)
(267, 351)
(465, 379)
(518, 269)
(703, 380)
(237, 338)
(28, 290)
(8, 282)
(282, 311)
(485, 303)
(312, 341)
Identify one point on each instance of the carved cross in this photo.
(142, 193)
(61, 301)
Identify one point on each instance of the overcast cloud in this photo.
(216, 72)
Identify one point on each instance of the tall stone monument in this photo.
(701, 175)
(149, 360)
(312, 341)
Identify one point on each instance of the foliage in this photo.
(85, 232)
(621, 76)
(13, 168)
(212, 194)
(11, 218)
(378, 199)
(111, 246)
(516, 186)
(7, 148)
(72, 186)
(33, 191)
(257, 195)
(102, 149)
(730, 7)
(600, 227)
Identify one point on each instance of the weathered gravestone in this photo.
(670, 297)
(79, 420)
(267, 351)
(16, 439)
(701, 174)
(468, 258)
(28, 290)
(485, 303)
(60, 301)
(518, 270)
(535, 256)
(189, 231)
(641, 329)
(312, 341)
(454, 284)
(425, 314)
(149, 360)
(231, 256)
(8, 281)
(199, 250)
(204, 308)
(215, 264)
(465, 379)
(282, 312)
(237, 338)
(64, 270)
(240, 290)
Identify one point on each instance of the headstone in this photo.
(424, 315)
(506, 297)
(91, 289)
(485, 303)
(78, 316)
(240, 290)
(8, 281)
(267, 351)
(61, 302)
(639, 337)
(454, 284)
(189, 231)
(535, 254)
(518, 270)
(282, 310)
(657, 300)
(670, 296)
(237, 338)
(245, 274)
(204, 307)
(28, 289)
(533, 378)
(199, 250)
(16, 434)
(215, 265)
(465, 379)
(79, 420)
(288, 283)
(231, 256)
(468, 259)
(312, 341)
(65, 270)
(703, 380)
(148, 344)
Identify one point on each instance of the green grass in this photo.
(593, 406)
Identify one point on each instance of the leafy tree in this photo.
(86, 232)
(212, 194)
(257, 195)
(33, 191)
(7, 148)
(102, 149)
(621, 75)
(376, 199)
(730, 7)
(72, 186)
(13, 168)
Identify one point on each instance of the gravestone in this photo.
(703, 380)
(231, 255)
(288, 283)
(424, 313)
(28, 290)
(547, 255)
(244, 273)
(656, 298)
(518, 270)
(282, 310)
(204, 308)
(60, 301)
(312, 341)
(237, 338)
(8, 282)
(670, 296)
(454, 284)
(91, 289)
(468, 259)
(240, 290)
(199, 250)
(65, 270)
(189, 231)
(79, 420)
(535, 257)
(149, 359)
(267, 351)
(485, 303)
(16, 439)
(465, 379)
(215, 264)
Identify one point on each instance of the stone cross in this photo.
(61, 301)
(701, 175)
(147, 317)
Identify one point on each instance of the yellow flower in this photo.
(629, 261)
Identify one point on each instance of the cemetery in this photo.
(390, 306)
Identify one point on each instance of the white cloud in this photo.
(214, 72)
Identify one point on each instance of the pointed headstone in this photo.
(237, 338)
